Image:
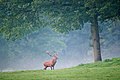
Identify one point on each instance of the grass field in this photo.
(106, 70)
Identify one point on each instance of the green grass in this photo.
(106, 70)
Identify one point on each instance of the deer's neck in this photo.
(54, 59)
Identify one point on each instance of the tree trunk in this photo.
(96, 39)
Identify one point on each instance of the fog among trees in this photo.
(74, 48)
(81, 31)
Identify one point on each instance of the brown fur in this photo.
(51, 63)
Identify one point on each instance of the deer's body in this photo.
(51, 63)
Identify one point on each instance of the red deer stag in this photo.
(51, 63)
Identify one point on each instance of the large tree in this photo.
(22, 17)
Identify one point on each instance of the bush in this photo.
(107, 60)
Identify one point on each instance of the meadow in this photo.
(106, 70)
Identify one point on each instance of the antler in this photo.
(48, 53)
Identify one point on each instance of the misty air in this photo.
(59, 39)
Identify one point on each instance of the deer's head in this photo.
(55, 56)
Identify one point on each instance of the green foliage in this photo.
(75, 73)
(107, 60)
(17, 19)
(61, 15)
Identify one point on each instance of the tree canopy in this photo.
(21, 17)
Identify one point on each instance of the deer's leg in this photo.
(45, 68)
(51, 67)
